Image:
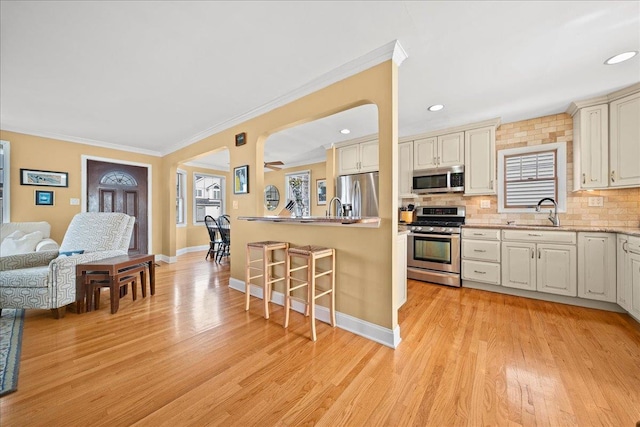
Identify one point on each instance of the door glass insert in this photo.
(118, 178)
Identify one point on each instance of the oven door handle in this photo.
(441, 236)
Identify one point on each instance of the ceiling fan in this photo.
(274, 165)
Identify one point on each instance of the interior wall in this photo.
(366, 257)
(277, 178)
(34, 152)
(621, 206)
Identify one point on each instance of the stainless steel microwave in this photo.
(440, 180)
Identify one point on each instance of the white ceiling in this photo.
(155, 76)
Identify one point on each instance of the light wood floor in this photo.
(191, 355)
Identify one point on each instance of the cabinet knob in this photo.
(613, 176)
(584, 178)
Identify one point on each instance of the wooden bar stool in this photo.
(267, 249)
(311, 254)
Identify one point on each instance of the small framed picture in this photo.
(321, 191)
(241, 139)
(241, 180)
(44, 178)
(44, 198)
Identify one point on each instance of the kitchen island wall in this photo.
(621, 207)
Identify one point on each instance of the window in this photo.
(181, 205)
(209, 195)
(305, 189)
(4, 182)
(529, 174)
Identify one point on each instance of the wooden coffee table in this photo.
(112, 269)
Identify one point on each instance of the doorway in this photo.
(114, 187)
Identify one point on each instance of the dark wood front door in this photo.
(112, 187)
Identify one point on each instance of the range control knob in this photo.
(430, 228)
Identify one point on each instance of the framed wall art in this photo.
(321, 191)
(44, 178)
(241, 139)
(44, 198)
(241, 180)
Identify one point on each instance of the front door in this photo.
(112, 187)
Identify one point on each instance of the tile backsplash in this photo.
(621, 207)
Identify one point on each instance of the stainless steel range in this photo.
(433, 253)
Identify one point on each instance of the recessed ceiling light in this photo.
(345, 131)
(436, 107)
(620, 57)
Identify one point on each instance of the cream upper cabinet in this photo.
(405, 167)
(425, 153)
(597, 266)
(358, 158)
(606, 140)
(591, 147)
(625, 141)
(479, 161)
(451, 149)
(439, 151)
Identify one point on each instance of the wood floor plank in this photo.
(191, 356)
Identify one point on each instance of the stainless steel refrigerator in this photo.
(360, 191)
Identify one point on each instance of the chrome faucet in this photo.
(339, 213)
(553, 215)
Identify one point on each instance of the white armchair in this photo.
(47, 279)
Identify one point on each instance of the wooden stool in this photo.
(311, 254)
(133, 276)
(267, 249)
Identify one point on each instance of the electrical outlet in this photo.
(235, 204)
(74, 201)
(596, 201)
(485, 204)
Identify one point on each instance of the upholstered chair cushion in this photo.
(97, 231)
(20, 243)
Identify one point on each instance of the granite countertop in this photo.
(634, 231)
(316, 220)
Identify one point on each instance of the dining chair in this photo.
(214, 241)
(224, 228)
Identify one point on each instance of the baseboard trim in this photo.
(192, 249)
(371, 331)
(580, 302)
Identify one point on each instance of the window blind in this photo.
(529, 178)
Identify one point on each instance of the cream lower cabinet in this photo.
(405, 168)
(481, 255)
(543, 267)
(597, 266)
(628, 251)
(401, 296)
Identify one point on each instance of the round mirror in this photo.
(271, 197)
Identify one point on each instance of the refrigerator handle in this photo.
(357, 198)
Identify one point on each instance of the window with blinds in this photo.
(528, 174)
(529, 178)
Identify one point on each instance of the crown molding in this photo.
(390, 51)
(77, 140)
(604, 99)
(491, 122)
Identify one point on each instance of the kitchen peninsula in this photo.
(371, 222)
